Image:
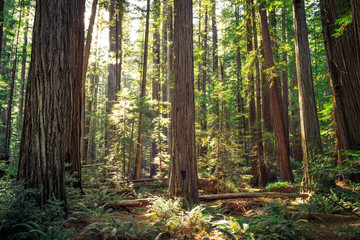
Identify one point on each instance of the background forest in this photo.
(110, 105)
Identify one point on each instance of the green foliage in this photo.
(319, 204)
(41, 232)
(158, 188)
(342, 22)
(170, 216)
(20, 209)
(348, 232)
(235, 228)
(123, 228)
(278, 184)
(333, 200)
(275, 223)
(92, 213)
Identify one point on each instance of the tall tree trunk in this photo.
(343, 64)
(251, 96)
(355, 5)
(310, 131)
(85, 122)
(1, 25)
(156, 142)
(138, 160)
(239, 99)
(55, 68)
(284, 75)
(277, 110)
(114, 78)
(164, 72)
(215, 40)
(11, 93)
(22, 80)
(203, 121)
(261, 168)
(186, 180)
(73, 119)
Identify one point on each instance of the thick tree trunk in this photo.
(138, 160)
(282, 143)
(73, 119)
(342, 57)
(310, 130)
(183, 121)
(355, 5)
(55, 68)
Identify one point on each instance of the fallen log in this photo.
(251, 195)
(145, 201)
(145, 180)
(93, 165)
(141, 202)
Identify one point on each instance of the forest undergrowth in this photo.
(98, 214)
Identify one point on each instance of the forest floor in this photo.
(337, 225)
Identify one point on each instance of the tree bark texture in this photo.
(310, 130)
(282, 143)
(260, 164)
(344, 69)
(355, 6)
(51, 134)
(186, 179)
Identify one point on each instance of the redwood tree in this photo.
(343, 63)
(310, 130)
(277, 110)
(183, 117)
(53, 97)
